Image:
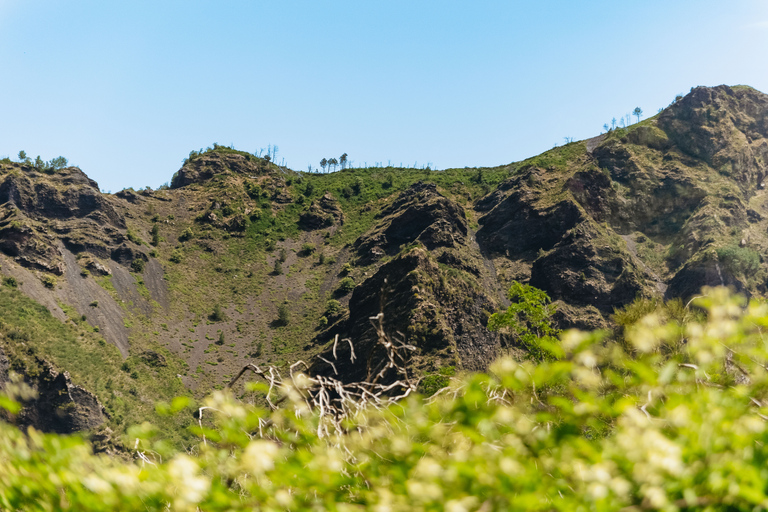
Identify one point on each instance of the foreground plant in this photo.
(601, 427)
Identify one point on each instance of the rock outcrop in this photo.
(322, 213)
(37, 210)
(59, 405)
(420, 213)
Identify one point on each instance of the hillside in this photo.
(241, 261)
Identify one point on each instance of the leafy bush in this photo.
(528, 319)
(307, 249)
(137, 265)
(155, 232)
(175, 256)
(346, 285)
(49, 281)
(133, 237)
(595, 429)
(58, 163)
(187, 234)
(217, 315)
(333, 307)
(431, 384)
(11, 282)
(739, 260)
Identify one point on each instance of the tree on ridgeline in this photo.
(637, 113)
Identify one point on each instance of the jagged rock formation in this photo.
(442, 311)
(681, 183)
(421, 214)
(322, 213)
(37, 209)
(59, 405)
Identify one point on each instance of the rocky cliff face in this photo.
(666, 206)
(39, 210)
(57, 404)
(430, 292)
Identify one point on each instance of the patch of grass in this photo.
(106, 283)
(133, 237)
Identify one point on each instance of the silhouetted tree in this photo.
(323, 163)
(333, 162)
(343, 160)
(637, 113)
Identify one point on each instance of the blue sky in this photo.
(126, 89)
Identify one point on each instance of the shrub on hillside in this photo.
(346, 285)
(187, 234)
(283, 315)
(333, 307)
(739, 260)
(528, 319)
(217, 315)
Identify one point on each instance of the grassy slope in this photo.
(28, 330)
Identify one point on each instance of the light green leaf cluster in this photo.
(601, 426)
(528, 318)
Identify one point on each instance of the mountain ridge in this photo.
(242, 261)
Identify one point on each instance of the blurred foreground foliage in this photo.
(600, 426)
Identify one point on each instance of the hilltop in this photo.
(242, 261)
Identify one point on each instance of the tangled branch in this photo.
(336, 400)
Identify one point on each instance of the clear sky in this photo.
(125, 89)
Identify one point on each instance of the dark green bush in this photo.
(137, 265)
(283, 315)
(739, 260)
(333, 307)
(346, 285)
